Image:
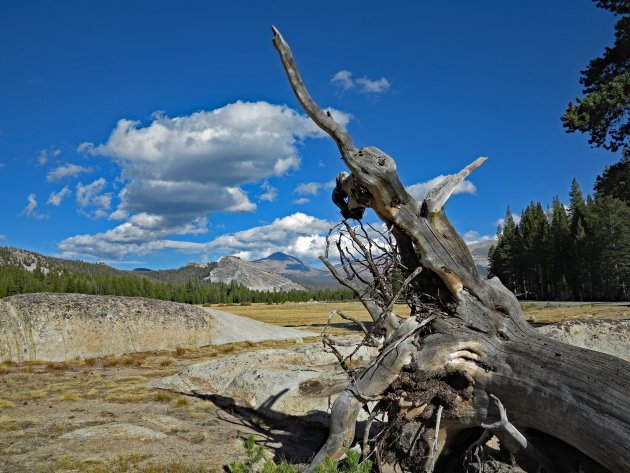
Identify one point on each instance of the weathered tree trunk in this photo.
(474, 339)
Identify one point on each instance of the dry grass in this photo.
(12, 423)
(163, 396)
(294, 314)
(5, 404)
(60, 366)
(70, 396)
(181, 401)
(123, 464)
(552, 314)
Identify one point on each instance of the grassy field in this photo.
(315, 314)
(40, 402)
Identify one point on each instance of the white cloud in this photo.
(119, 215)
(301, 201)
(196, 164)
(500, 222)
(178, 169)
(343, 79)
(2, 237)
(270, 193)
(330, 184)
(44, 155)
(297, 234)
(66, 170)
(368, 86)
(89, 195)
(307, 188)
(55, 198)
(142, 233)
(421, 189)
(31, 207)
(473, 236)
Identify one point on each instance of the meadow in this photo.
(40, 403)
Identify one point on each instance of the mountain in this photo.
(29, 260)
(196, 272)
(290, 267)
(479, 252)
(232, 268)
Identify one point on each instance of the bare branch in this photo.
(438, 196)
(435, 439)
(322, 119)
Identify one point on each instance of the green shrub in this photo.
(255, 454)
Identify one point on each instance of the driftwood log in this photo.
(466, 356)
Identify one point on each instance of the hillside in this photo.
(232, 268)
(191, 272)
(30, 261)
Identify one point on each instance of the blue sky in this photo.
(156, 133)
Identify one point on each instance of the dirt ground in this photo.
(99, 415)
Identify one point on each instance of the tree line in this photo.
(575, 252)
(15, 279)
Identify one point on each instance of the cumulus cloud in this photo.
(90, 194)
(66, 170)
(421, 189)
(31, 207)
(343, 79)
(119, 215)
(55, 198)
(473, 236)
(270, 193)
(197, 163)
(307, 188)
(298, 234)
(142, 233)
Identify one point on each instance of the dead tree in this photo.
(450, 371)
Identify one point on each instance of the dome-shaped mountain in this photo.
(292, 268)
(250, 275)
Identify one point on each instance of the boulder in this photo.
(610, 336)
(304, 380)
(298, 381)
(59, 327)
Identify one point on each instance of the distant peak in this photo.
(278, 256)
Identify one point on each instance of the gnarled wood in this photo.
(477, 335)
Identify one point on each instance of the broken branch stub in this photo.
(469, 339)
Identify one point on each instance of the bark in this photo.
(476, 343)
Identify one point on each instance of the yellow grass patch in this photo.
(5, 404)
(70, 396)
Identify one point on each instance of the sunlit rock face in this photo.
(232, 268)
(59, 327)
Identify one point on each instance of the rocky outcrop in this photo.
(232, 268)
(610, 336)
(298, 381)
(305, 379)
(58, 327)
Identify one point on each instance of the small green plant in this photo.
(255, 454)
(351, 464)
